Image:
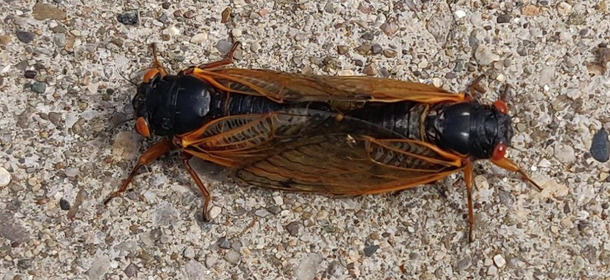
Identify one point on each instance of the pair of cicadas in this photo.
(308, 133)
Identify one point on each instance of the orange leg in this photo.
(200, 184)
(156, 64)
(225, 61)
(149, 156)
(475, 87)
(468, 178)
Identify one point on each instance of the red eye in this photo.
(142, 127)
(499, 152)
(150, 75)
(501, 107)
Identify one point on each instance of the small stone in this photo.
(131, 270)
(128, 18)
(564, 9)
(189, 252)
(195, 271)
(236, 32)
(64, 204)
(214, 212)
(262, 213)
(485, 56)
(492, 271)
(499, 261)
(166, 5)
(530, 10)
(369, 70)
(389, 53)
(39, 87)
(24, 263)
(308, 267)
(232, 256)
(72, 172)
(460, 13)
(293, 228)
(25, 36)
(225, 15)
(5, 177)
(329, 7)
(600, 146)
(389, 28)
(210, 261)
(370, 250)
(503, 18)
(342, 49)
(224, 46)
(463, 264)
(5, 39)
(368, 36)
(60, 40)
(189, 14)
(255, 47)
(42, 11)
(565, 153)
(99, 268)
(199, 38)
(173, 30)
(224, 243)
(376, 49)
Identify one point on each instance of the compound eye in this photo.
(499, 152)
(142, 127)
(501, 107)
(150, 75)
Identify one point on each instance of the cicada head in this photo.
(152, 116)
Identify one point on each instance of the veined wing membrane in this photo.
(290, 87)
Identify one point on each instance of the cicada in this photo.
(347, 135)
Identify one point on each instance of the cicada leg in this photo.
(468, 179)
(225, 61)
(153, 153)
(156, 64)
(204, 191)
(475, 87)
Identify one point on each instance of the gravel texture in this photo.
(65, 67)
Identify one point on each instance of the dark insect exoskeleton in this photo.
(335, 135)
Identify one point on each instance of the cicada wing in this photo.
(314, 151)
(289, 87)
(345, 164)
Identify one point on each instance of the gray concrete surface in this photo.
(62, 69)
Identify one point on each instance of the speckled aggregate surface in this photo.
(64, 70)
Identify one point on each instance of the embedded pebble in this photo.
(199, 38)
(189, 252)
(485, 56)
(194, 270)
(42, 11)
(370, 250)
(39, 87)
(308, 266)
(565, 153)
(25, 36)
(293, 228)
(5, 177)
(131, 270)
(224, 46)
(499, 261)
(232, 256)
(64, 204)
(564, 8)
(128, 18)
(600, 146)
